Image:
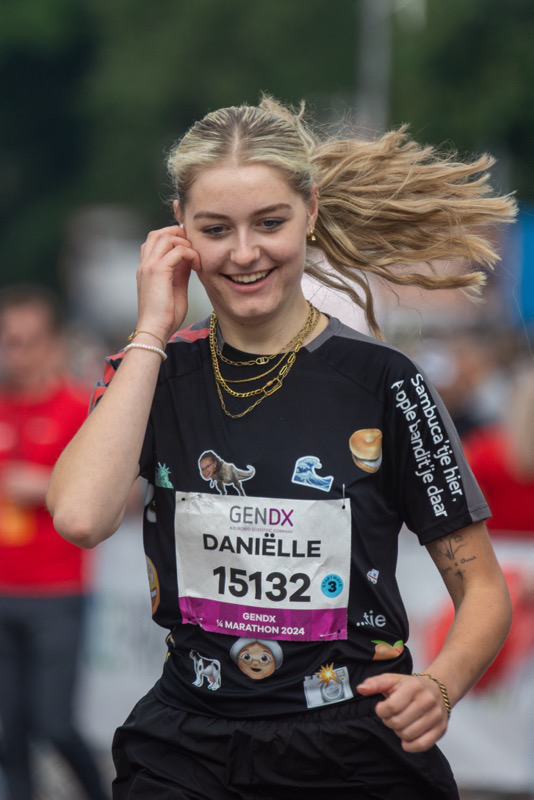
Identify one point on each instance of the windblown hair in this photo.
(388, 207)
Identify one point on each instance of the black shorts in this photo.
(343, 752)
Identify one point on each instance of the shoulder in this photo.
(372, 364)
(187, 350)
(193, 333)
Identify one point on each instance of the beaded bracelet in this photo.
(139, 346)
(441, 686)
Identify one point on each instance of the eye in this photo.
(214, 230)
(265, 659)
(271, 224)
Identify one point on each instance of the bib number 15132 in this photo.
(274, 586)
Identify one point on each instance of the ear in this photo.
(313, 207)
(177, 211)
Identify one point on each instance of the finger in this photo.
(172, 229)
(169, 259)
(157, 246)
(408, 702)
(380, 684)
(432, 721)
(181, 276)
(415, 716)
(184, 256)
(424, 742)
(162, 238)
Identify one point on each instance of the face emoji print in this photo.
(256, 658)
(256, 661)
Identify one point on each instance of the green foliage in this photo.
(146, 89)
(95, 92)
(98, 91)
(466, 78)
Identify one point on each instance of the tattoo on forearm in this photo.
(449, 550)
(454, 544)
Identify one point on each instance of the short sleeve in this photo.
(146, 460)
(434, 485)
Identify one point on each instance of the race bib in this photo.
(277, 569)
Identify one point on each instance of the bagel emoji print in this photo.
(366, 448)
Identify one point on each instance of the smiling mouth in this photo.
(249, 278)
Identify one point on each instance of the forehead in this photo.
(25, 318)
(256, 649)
(231, 189)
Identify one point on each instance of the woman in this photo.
(283, 453)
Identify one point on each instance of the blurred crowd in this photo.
(486, 379)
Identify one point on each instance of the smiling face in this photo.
(208, 466)
(249, 227)
(256, 661)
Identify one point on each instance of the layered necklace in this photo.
(283, 361)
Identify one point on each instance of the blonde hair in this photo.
(386, 207)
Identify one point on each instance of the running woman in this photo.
(283, 453)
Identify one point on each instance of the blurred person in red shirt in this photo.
(502, 458)
(42, 583)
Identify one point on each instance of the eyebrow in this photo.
(266, 210)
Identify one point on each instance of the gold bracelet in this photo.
(140, 346)
(134, 333)
(441, 686)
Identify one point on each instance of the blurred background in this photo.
(93, 96)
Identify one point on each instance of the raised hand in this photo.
(167, 259)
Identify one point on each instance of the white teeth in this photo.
(257, 276)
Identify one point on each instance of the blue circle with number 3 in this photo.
(332, 585)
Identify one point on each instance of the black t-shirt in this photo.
(275, 535)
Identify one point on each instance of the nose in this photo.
(245, 252)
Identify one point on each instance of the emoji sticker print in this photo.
(328, 685)
(257, 658)
(162, 476)
(222, 474)
(206, 670)
(366, 448)
(153, 583)
(385, 651)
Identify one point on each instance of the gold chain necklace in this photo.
(261, 360)
(272, 385)
(282, 353)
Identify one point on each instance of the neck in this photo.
(266, 335)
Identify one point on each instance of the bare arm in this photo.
(92, 479)
(414, 706)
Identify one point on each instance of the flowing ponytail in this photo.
(388, 208)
